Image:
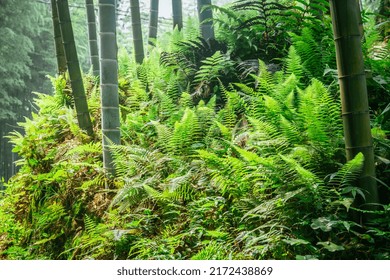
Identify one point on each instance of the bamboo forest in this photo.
(194, 130)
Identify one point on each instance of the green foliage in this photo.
(261, 175)
(50, 193)
(316, 51)
(18, 29)
(377, 52)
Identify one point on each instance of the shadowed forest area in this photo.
(212, 130)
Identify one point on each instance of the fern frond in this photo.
(210, 68)
(265, 83)
(348, 174)
(164, 134)
(290, 131)
(205, 117)
(167, 107)
(89, 148)
(99, 181)
(89, 225)
(186, 133)
(310, 110)
(186, 100)
(305, 175)
(293, 64)
(266, 136)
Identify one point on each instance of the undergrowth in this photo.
(211, 165)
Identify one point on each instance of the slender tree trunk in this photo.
(3, 152)
(205, 19)
(356, 119)
(177, 11)
(72, 61)
(93, 43)
(137, 31)
(59, 47)
(109, 81)
(153, 21)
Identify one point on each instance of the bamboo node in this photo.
(356, 113)
(360, 147)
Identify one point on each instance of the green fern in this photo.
(293, 64)
(186, 133)
(89, 225)
(315, 54)
(213, 251)
(186, 100)
(210, 68)
(347, 175)
(164, 134)
(168, 108)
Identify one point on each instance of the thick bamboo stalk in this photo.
(177, 12)
(72, 61)
(137, 31)
(92, 37)
(205, 19)
(153, 21)
(109, 81)
(59, 48)
(353, 89)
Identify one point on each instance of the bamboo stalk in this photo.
(137, 31)
(72, 61)
(59, 48)
(353, 90)
(205, 19)
(177, 12)
(92, 37)
(109, 82)
(153, 21)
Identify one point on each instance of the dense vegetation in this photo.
(231, 148)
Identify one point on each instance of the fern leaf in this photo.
(348, 174)
(293, 64)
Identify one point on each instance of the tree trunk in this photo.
(93, 44)
(205, 19)
(59, 47)
(72, 61)
(137, 31)
(177, 11)
(355, 111)
(153, 21)
(109, 82)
